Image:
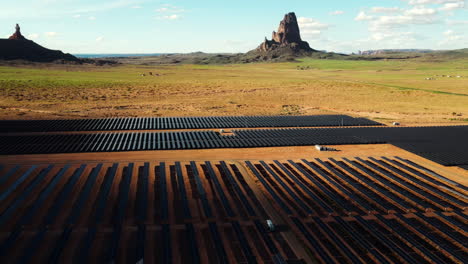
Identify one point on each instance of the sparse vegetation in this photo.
(394, 90)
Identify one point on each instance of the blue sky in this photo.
(143, 26)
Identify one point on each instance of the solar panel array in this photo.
(132, 213)
(398, 211)
(444, 145)
(359, 210)
(136, 141)
(156, 123)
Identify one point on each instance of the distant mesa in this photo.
(17, 47)
(288, 35)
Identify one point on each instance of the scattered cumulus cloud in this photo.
(431, 2)
(379, 9)
(397, 26)
(456, 22)
(169, 12)
(79, 16)
(450, 37)
(362, 16)
(452, 6)
(337, 13)
(100, 6)
(391, 22)
(162, 9)
(170, 9)
(51, 34)
(380, 36)
(33, 36)
(99, 39)
(169, 17)
(417, 15)
(310, 27)
(421, 11)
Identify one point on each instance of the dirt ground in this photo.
(240, 154)
(384, 91)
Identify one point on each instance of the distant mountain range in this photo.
(116, 55)
(384, 51)
(286, 45)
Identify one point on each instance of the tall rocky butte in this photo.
(17, 47)
(288, 35)
(286, 44)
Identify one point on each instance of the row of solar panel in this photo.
(21, 184)
(352, 187)
(415, 190)
(151, 123)
(218, 243)
(109, 142)
(444, 145)
(349, 186)
(18, 183)
(390, 239)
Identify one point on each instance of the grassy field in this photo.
(386, 91)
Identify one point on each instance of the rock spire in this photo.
(287, 35)
(17, 35)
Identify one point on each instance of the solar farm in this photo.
(232, 190)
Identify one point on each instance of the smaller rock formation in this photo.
(17, 35)
(17, 47)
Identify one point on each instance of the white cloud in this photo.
(91, 18)
(421, 11)
(33, 36)
(170, 17)
(136, 7)
(337, 13)
(379, 9)
(448, 32)
(311, 27)
(169, 12)
(389, 22)
(456, 22)
(418, 15)
(99, 39)
(77, 16)
(394, 36)
(51, 34)
(99, 6)
(451, 37)
(393, 26)
(170, 9)
(362, 16)
(162, 9)
(430, 2)
(452, 6)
